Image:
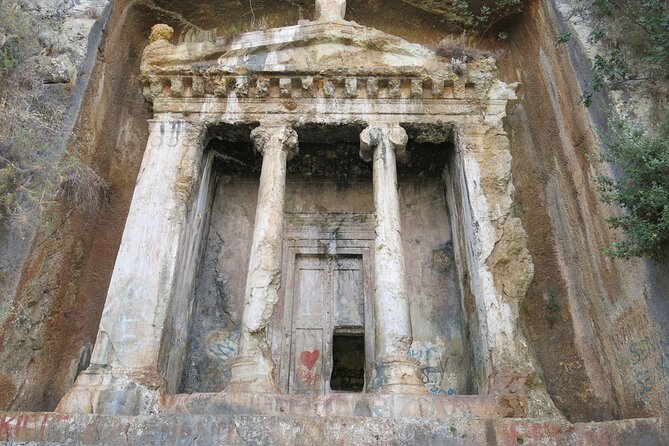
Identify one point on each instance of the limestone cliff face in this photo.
(67, 34)
(598, 328)
(612, 315)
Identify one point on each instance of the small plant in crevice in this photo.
(7, 60)
(563, 37)
(552, 306)
(640, 188)
(456, 48)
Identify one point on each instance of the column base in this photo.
(106, 391)
(251, 374)
(400, 376)
(524, 394)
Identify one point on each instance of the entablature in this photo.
(329, 62)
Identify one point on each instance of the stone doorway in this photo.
(326, 292)
(325, 304)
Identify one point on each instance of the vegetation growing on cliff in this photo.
(641, 189)
(482, 17)
(40, 161)
(637, 35)
(634, 36)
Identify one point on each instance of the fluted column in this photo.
(394, 370)
(252, 369)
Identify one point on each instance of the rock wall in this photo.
(62, 283)
(596, 324)
(70, 34)
(597, 327)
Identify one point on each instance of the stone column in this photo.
(130, 364)
(394, 370)
(252, 369)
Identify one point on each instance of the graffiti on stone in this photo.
(432, 361)
(644, 353)
(222, 346)
(305, 373)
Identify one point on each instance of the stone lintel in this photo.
(460, 113)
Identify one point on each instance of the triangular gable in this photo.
(311, 47)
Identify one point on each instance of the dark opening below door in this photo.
(348, 360)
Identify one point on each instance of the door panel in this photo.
(326, 292)
(310, 283)
(349, 297)
(307, 362)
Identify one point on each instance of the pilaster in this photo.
(128, 365)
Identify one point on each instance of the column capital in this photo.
(282, 137)
(391, 135)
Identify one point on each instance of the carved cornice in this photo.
(295, 87)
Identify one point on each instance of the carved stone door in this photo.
(325, 347)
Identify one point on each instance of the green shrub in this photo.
(636, 36)
(641, 189)
(484, 16)
(553, 306)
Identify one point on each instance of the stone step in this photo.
(183, 429)
(345, 405)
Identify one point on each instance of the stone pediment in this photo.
(311, 47)
(334, 59)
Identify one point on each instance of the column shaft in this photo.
(129, 361)
(252, 369)
(395, 371)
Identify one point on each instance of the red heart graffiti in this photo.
(309, 358)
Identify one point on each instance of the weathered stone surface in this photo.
(394, 371)
(349, 404)
(253, 367)
(629, 335)
(161, 31)
(59, 69)
(475, 110)
(47, 428)
(147, 300)
(330, 9)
